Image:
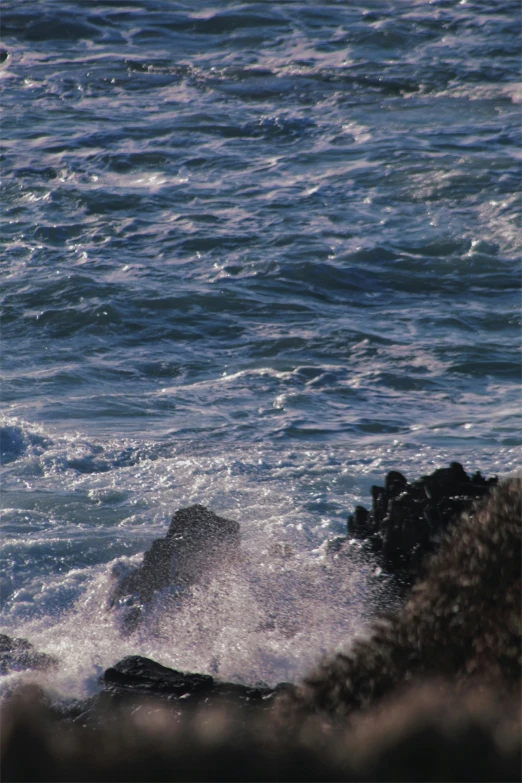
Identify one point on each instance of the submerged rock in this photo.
(19, 654)
(406, 521)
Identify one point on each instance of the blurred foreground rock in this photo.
(427, 733)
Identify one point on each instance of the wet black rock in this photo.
(406, 521)
(196, 542)
(136, 674)
(136, 677)
(19, 654)
(462, 622)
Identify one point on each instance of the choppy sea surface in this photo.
(254, 255)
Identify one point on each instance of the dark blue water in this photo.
(254, 255)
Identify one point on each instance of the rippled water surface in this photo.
(254, 255)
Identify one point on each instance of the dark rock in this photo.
(395, 483)
(358, 526)
(135, 677)
(250, 696)
(428, 733)
(461, 623)
(196, 542)
(138, 675)
(406, 521)
(19, 654)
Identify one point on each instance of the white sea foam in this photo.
(269, 620)
(73, 518)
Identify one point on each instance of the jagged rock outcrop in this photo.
(403, 527)
(19, 654)
(406, 521)
(135, 677)
(463, 621)
(196, 542)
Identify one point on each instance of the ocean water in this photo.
(254, 255)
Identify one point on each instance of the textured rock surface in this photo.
(406, 521)
(462, 622)
(19, 654)
(135, 677)
(196, 542)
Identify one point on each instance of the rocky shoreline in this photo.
(406, 522)
(454, 556)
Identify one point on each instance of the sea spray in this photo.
(257, 621)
